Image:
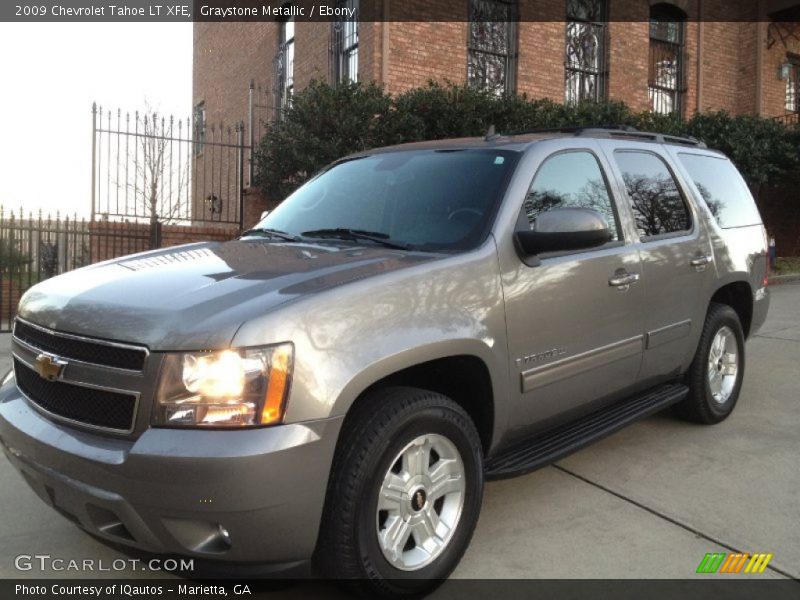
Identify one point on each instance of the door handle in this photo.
(701, 261)
(623, 279)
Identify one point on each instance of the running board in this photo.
(550, 446)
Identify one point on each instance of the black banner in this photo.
(729, 588)
(368, 10)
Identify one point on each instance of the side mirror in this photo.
(561, 229)
(264, 214)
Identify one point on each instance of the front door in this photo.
(574, 319)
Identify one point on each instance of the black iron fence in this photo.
(152, 168)
(34, 248)
(665, 77)
(37, 246)
(791, 119)
(156, 181)
(261, 111)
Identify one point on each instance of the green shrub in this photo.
(762, 149)
(12, 258)
(325, 123)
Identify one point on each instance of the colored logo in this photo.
(49, 366)
(739, 562)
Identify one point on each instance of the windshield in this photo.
(429, 200)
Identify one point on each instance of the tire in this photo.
(378, 445)
(712, 396)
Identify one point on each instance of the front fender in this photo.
(388, 365)
(347, 338)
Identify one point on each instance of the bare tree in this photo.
(657, 204)
(164, 193)
(153, 168)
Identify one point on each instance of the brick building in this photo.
(681, 56)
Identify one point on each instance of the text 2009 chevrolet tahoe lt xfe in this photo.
(336, 384)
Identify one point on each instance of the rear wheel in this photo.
(404, 495)
(715, 376)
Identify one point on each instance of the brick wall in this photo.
(442, 57)
(370, 50)
(10, 293)
(720, 75)
(747, 68)
(226, 57)
(311, 53)
(254, 205)
(773, 89)
(628, 67)
(541, 44)
(403, 55)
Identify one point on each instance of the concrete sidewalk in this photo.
(648, 502)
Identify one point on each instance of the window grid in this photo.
(793, 87)
(344, 45)
(199, 128)
(585, 64)
(665, 79)
(284, 68)
(492, 45)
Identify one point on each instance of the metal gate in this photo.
(152, 168)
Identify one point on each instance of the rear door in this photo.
(675, 252)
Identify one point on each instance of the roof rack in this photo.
(618, 131)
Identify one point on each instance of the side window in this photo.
(723, 189)
(657, 204)
(571, 179)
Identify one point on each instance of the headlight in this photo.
(230, 388)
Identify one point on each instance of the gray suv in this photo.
(334, 387)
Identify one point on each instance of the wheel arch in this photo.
(461, 373)
(739, 296)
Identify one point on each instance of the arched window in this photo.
(585, 60)
(492, 45)
(665, 80)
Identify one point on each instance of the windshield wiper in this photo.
(271, 232)
(344, 233)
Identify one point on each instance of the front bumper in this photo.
(180, 491)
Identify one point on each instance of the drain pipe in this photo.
(700, 36)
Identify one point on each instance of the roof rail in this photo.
(618, 131)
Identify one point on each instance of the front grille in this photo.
(98, 353)
(100, 408)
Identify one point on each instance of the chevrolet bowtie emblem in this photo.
(49, 367)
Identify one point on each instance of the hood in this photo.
(196, 296)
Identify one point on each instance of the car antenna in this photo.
(490, 134)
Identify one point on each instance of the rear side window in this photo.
(571, 179)
(656, 201)
(723, 190)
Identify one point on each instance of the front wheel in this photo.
(715, 376)
(404, 495)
